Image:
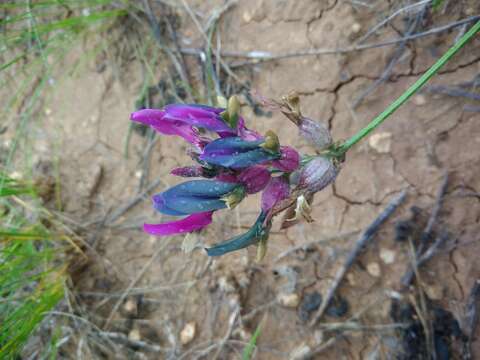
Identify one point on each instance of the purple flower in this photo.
(183, 120)
(236, 153)
(289, 159)
(254, 178)
(277, 190)
(191, 223)
(195, 196)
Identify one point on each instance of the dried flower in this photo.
(317, 174)
(315, 133)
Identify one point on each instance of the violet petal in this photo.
(190, 223)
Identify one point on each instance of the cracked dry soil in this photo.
(427, 136)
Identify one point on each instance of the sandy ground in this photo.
(86, 121)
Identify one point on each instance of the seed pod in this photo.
(315, 133)
(317, 174)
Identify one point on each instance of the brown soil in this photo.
(87, 118)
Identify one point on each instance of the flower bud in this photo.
(317, 174)
(315, 133)
(233, 106)
(234, 197)
(271, 143)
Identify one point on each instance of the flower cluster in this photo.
(233, 161)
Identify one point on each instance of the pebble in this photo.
(288, 300)
(300, 352)
(381, 142)
(373, 269)
(247, 17)
(188, 333)
(130, 307)
(434, 292)
(419, 100)
(134, 335)
(356, 27)
(351, 279)
(387, 256)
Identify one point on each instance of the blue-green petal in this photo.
(251, 237)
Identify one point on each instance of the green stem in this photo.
(342, 149)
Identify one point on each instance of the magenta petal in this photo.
(148, 116)
(191, 223)
(289, 160)
(226, 177)
(179, 129)
(255, 178)
(247, 134)
(276, 191)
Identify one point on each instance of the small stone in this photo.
(356, 27)
(419, 100)
(130, 307)
(373, 269)
(351, 279)
(188, 333)
(300, 352)
(288, 300)
(381, 142)
(434, 292)
(387, 256)
(134, 335)
(247, 17)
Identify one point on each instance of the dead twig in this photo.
(231, 326)
(125, 340)
(421, 252)
(173, 58)
(359, 246)
(374, 29)
(471, 318)
(426, 256)
(268, 56)
(395, 59)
